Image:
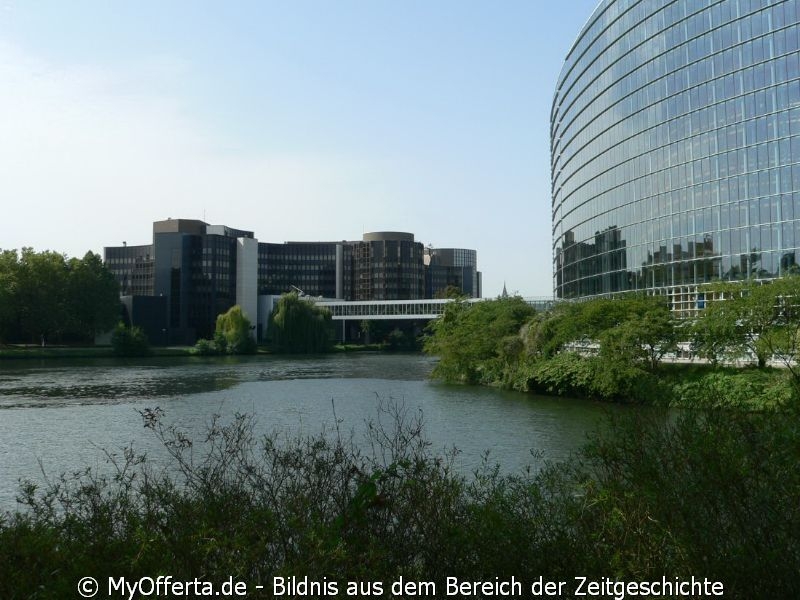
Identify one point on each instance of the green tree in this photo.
(762, 320)
(715, 334)
(451, 291)
(42, 294)
(234, 332)
(646, 333)
(129, 341)
(298, 326)
(9, 294)
(548, 332)
(471, 338)
(92, 296)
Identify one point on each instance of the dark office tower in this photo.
(203, 270)
(315, 268)
(675, 139)
(388, 265)
(451, 268)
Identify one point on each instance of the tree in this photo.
(471, 339)
(42, 293)
(757, 319)
(234, 332)
(129, 341)
(644, 337)
(451, 291)
(298, 326)
(9, 294)
(92, 296)
(714, 334)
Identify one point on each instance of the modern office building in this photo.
(451, 267)
(315, 268)
(675, 140)
(202, 270)
(388, 265)
(199, 271)
(133, 268)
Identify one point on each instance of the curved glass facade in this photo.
(675, 141)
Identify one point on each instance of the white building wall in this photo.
(247, 279)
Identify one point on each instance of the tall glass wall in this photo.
(675, 140)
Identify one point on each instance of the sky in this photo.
(298, 120)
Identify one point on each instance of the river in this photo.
(63, 415)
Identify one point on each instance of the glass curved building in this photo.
(675, 147)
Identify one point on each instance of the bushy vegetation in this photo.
(233, 335)
(476, 341)
(297, 326)
(388, 336)
(129, 341)
(707, 493)
(46, 297)
(505, 342)
(614, 348)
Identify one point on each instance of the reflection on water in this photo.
(90, 381)
(63, 412)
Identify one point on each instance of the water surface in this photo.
(62, 416)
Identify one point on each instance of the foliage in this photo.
(644, 335)
(298, 326)
(400, 340)
(566, 374)
(451, 291)
(388, 335)
(760, 320)
(741, 389)
(714, 336)
(9, 296)
(234, 333)
(129, 341)
(92, 296)
(470, 339)
(705, 493)
(510, 345)
(204, 347)
(45, 296)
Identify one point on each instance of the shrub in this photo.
(566, 374)
(705, 493)
(129, 341)
(204, 348)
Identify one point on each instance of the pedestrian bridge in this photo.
(369, 310)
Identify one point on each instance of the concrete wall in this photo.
(247, 278)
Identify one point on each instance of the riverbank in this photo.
(67, 352)
(626, 344)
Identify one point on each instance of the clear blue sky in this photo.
(297, 120)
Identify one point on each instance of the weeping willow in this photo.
(298, 326)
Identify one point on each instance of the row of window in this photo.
(633, 84)
(770, 186)
(758, 265)
(648, 147)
